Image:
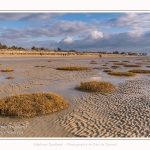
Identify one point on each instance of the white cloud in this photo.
(28, 16)
(91, 35)
(95, 35)
(131, 20)
(123, 42)
(137, 38)
(54, 29)
(67, 40)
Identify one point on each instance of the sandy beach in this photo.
(124, 112)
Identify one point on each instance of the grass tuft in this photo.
(73, 68)
(95, 86)
(29, 105)
(10, 77)
(139, 71)
(7, 70)
(107, 70)
(113, 61)
(115, 73)
(115, 67)
(93, 62)
(125, 61)
(132, 66)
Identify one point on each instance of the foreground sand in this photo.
(124, 112)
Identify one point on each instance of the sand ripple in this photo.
(123, 113)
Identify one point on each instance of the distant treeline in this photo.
(60, 50)
(33, 48)
(10, 47)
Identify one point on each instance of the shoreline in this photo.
(121, 113)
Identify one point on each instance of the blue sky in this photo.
(89, 31)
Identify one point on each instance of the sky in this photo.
(86, 31)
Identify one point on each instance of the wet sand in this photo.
(122, 113)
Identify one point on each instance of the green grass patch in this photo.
(29, 105)
(95, 86)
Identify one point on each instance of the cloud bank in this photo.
(79, 35)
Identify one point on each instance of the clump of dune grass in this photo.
(115, 67)
(132, 65)
(95, 86)
(116, 73)
(93, 62)
(139, 71)
(7, 70)
(107, 70)
(49, 61)
(10, 77)
(113, 61)
(72, 68)
(29, 105)
(125, 61)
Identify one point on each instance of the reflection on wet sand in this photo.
(121, 113)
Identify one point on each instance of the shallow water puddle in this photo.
(2, 79)
(117, 79)
(96, 78)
